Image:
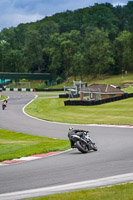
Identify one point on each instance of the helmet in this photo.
(70, 128)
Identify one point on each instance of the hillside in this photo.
(122, 80)
(96, 40)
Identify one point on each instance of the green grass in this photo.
(16, 145)
(117, 80)
(118, 112)
(118, 192)
(128, 89)
(3, 97)
(47, 95)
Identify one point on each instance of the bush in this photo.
(59, 80)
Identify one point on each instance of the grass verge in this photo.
(46, 95)
(3, 97)
(128, 89)
(16, 145)
(119, 112)
(118, 192)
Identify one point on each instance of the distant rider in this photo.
(5, 102)
(82, 133)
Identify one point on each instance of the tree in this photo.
(124, 51)
(62, 49)
(128, 9)
(102, 17)
(4, 49)
(84, 41)
(46, 29)
(98, 52)
(78, 65)
(13, 61)
(33, 51)
(55, 54)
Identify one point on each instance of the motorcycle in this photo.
(83, 143)
(4, 105)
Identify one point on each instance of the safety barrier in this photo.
(18, 89)
(31, 90)
(68, 96)
(48, 90)
(96, 102)
(63, 95)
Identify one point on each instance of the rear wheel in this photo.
(82, 147)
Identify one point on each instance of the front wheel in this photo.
(82, 147)
(94, 147)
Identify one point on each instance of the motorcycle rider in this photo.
(4, 102)
(82, 133)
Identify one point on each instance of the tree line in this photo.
(94, 40)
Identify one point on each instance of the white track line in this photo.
(102, 182)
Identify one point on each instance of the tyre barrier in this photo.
(63, 95)
(96, 102)
(48, 90)
(68, 96)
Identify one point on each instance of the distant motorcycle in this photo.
(4, 104)
(83, 142)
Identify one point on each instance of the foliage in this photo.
(124, 50)
(96, 40)
(99, 52)
(59, 80)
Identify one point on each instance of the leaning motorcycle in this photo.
(3, 106)
(83, 143)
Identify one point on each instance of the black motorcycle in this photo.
(4, 104)
(83, 142)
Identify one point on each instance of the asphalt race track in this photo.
(114, 157)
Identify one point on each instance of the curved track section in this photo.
(113, 158)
